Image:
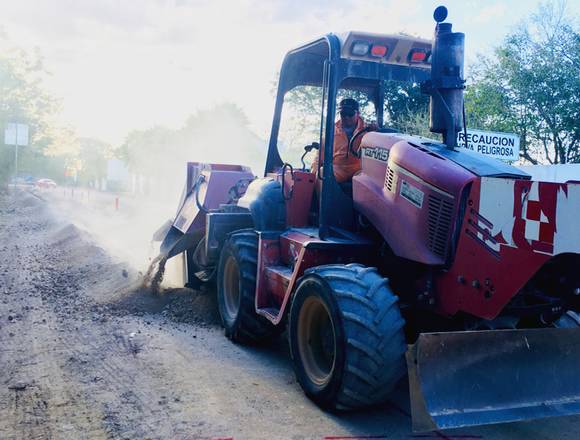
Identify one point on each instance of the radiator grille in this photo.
(439, 224)
(390, 180)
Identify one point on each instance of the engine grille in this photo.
(390, 180)
(439, 224)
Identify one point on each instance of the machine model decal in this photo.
(376, 153)
(412, 194)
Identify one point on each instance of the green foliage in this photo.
(217, 135)
(92, 155)
(300, 123)
(220, 134)
(405, 109)
(24, 100)
(51, 148)
(531, 87)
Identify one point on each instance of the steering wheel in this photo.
(352, 139)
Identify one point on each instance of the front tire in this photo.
(346, 336)
(236, 286)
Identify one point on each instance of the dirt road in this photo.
(87, 354)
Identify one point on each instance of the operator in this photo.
(350, 123)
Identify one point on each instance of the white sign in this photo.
(16, 134)
(505, 146)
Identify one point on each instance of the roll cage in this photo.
(327, 63)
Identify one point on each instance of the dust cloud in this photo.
(123, 222)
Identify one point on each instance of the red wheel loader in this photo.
(456, 267)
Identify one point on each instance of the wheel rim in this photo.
(316, 340)
(231, 288)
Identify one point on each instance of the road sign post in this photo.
(16, 155)
(17, 135)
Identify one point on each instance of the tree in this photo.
(92, 157)
(24, 100)
(405, 109)
(221, 134)
(531, 87)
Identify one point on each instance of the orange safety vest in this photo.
(344, 162)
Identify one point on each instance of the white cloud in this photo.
(490, 13)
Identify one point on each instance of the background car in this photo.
(45, 183)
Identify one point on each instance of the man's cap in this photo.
(348, 104)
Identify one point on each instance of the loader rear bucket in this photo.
(207, 187)
(482, 377)
(173, 241)
(162, 231)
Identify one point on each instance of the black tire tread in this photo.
(250, 327)
(375, 341)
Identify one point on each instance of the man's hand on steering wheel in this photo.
(370, 127)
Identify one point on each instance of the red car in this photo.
(45, 183)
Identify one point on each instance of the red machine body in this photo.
(511, 229)
(443, 242)
(485, 236)
(488, 235)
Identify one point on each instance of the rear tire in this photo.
(346, 336)
(236, 286)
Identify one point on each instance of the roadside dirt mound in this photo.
(178, 305)
(69, 236)
(66, 232)
(71, 261)
(27, 200)
(73, 364)
(199, 307)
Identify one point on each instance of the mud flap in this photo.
(483, 377)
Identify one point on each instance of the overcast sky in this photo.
(120, 65)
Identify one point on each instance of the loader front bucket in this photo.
(482, 377)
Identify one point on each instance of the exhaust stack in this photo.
(447, 84)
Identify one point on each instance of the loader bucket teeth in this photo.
(459, 379)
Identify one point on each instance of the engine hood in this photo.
(478, 164)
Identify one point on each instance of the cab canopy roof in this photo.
(382, 48)
(358, 55)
